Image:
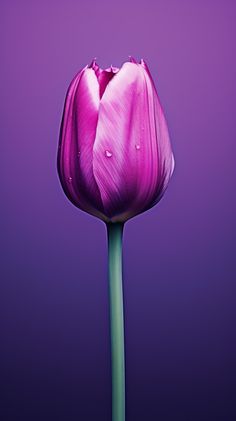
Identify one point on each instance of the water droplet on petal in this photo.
(70, 179)
(137, 147)
(108, 154)
(78, 154)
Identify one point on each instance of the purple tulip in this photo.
(115, 158)
(114, 162)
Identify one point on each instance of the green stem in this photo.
(115, 231)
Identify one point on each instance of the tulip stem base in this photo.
(115, 233)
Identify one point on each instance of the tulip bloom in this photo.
(115, 157)
(114, 162)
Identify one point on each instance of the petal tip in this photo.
(145, 66)
(93, 63)
(132, 59)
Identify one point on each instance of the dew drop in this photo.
(137, 147)
(108, 154)
(78, 154)
(70, 179)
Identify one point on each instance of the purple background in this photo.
(178, 257)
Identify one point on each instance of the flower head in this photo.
(114, 158)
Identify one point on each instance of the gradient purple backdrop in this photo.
(179, 273)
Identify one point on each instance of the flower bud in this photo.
(114, 158)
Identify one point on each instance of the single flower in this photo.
(114, 162)
(114, 158)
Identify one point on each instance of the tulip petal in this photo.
(95, 67)
(165, 156)
(112, 140)
(128, 164)
(76, 139)
(104, 78)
